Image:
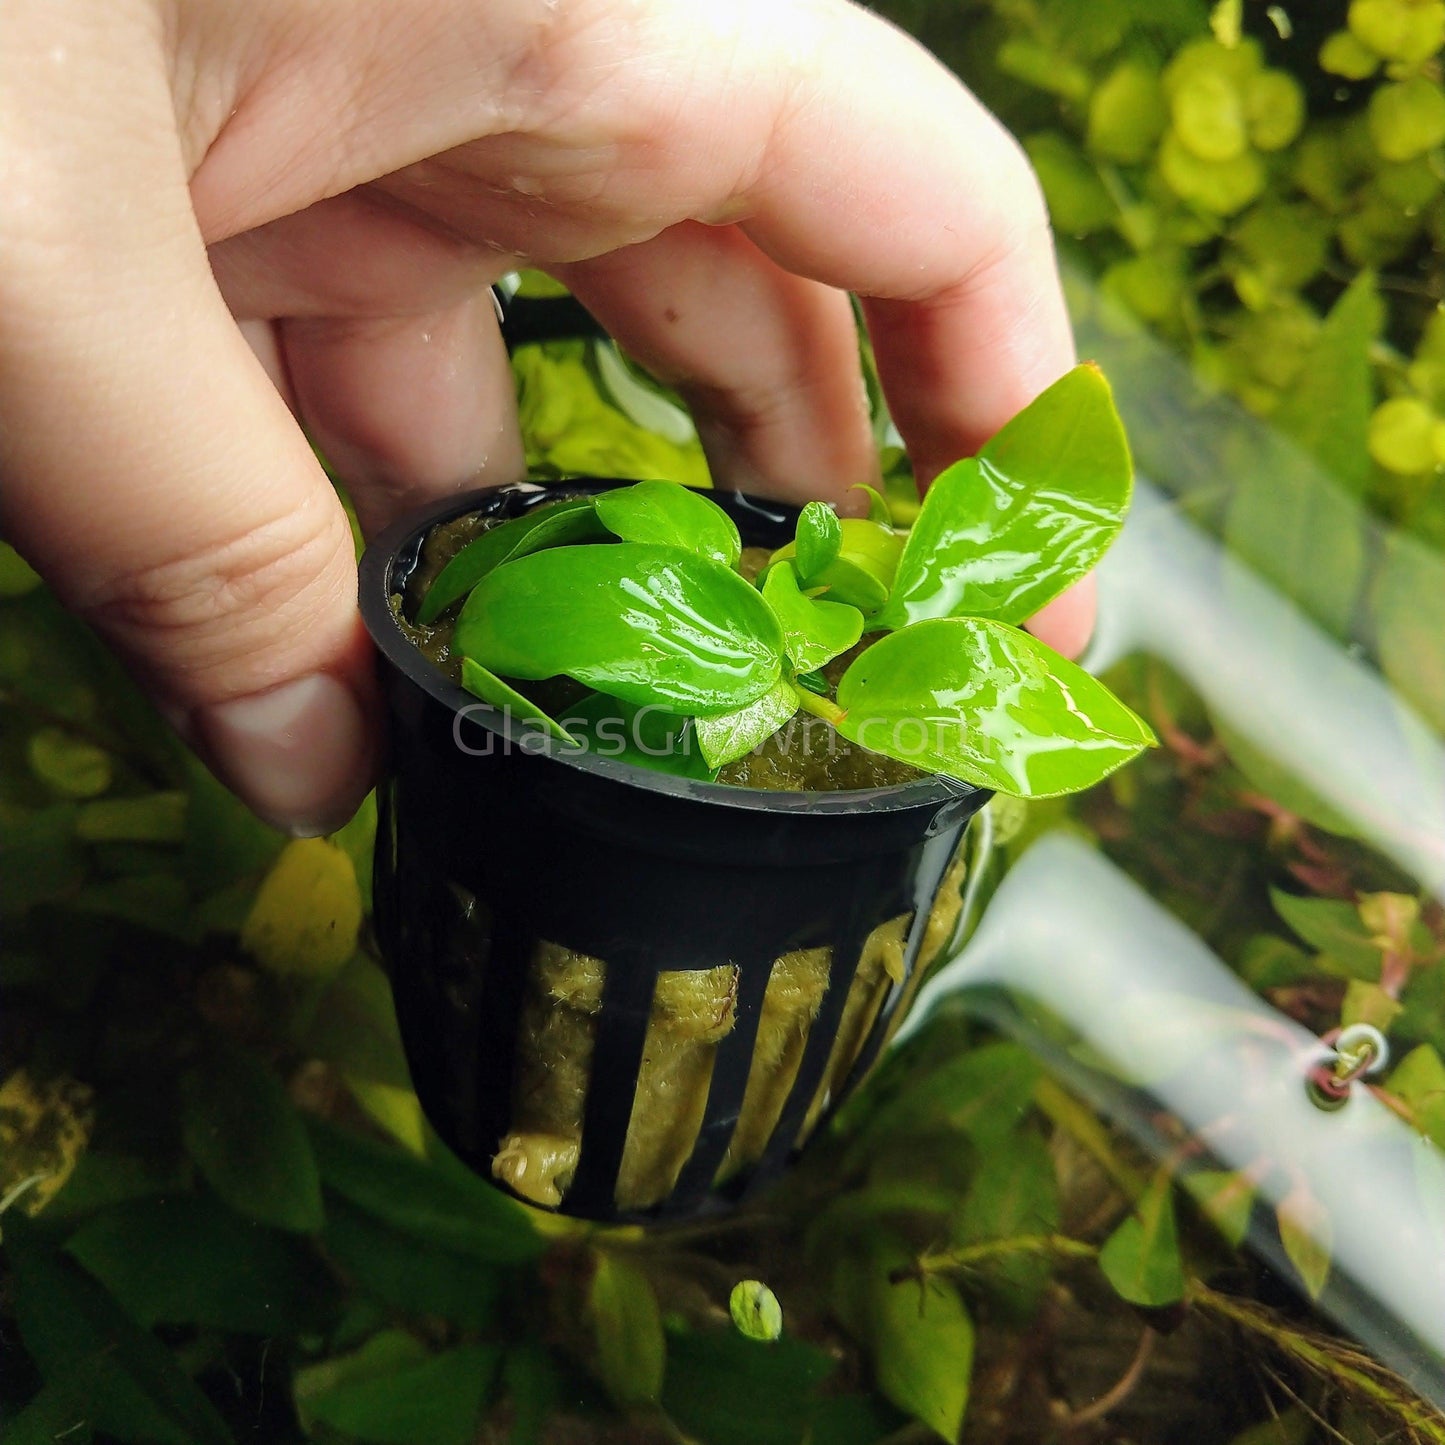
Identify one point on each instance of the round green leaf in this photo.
(1001, 534)
(986, 703)
(551, 525)
(646, 623)
(70, 765)
(669, 514)
(727, 736)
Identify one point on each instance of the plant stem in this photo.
(823, 707)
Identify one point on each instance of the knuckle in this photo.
(216, 602)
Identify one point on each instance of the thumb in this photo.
(152, 473)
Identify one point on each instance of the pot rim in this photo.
(376, 569)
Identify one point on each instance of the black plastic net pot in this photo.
(624, 994)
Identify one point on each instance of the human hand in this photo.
(345, 180)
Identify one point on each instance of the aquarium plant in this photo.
(636, 594)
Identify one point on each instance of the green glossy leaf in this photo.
(729, 1390)
(672, 516)
(451, 1209)
(550, 525)
(878, 508)
(248, 1141)
(186, 1260)
(1333, 927)
(419, 1278)
(981, 701)
(646, 736)
(503, 696)
(437, 1400)
(818, 538)
(755, 1310)
(815, 631)
(729, 735)
(631, 1347)
(921, 1340)
(128, 1383)
(1001, 534)
(1141, 1258)
(649, 624)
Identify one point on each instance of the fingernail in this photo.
(297, 754)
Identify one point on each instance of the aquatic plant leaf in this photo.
(248, 1141)
(1227, 1198)
(983, 702)
(921, 1340)
(815, 631)
(1141, 1258)
(646, 623)
(644, 736)
(863, 570)
(549, 525)
(727, 736)
(818, 538)
(631, 1347)
(185, 1259)
(503, 696)
(1014, 1192)
(673, 516)
(1333, 927)
(389, 1266)
(128, 1382)
(729, 1390)
(72, 766)
(437, 1399)
(1418, 1081)
(417, 1197)
(307, 913)
(1002, 533)
(1307, 1235)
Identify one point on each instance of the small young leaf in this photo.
(1001, 534)
(1332, 927)
(550, 525)
(818, 538)
(729, 735)
(755, 1310)
(981, 701)
(631, 1348)
(878, 508)
(1368, 1003)
(646, 737)
(673, 516)
(502, 695)
(862, 572)
(248, 1141)
(814, 631)
(1141, 1258)
(649, 624)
